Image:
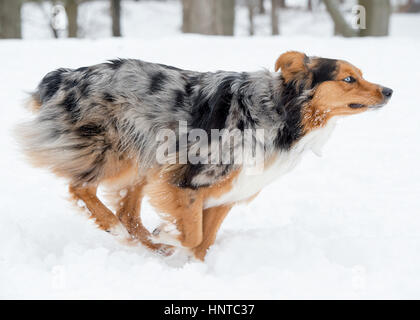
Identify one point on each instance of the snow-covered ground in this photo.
(346, 225)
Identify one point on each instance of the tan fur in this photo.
(291, 63)
(332, 98)
(129, 215)
(212, 220)
(182, 206)
(104, 217)
(34, 105)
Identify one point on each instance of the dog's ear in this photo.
(292, 65)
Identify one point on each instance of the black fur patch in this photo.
(179, 99)
(290, 112)
(157, 81)
(109, 97)
(189, 85)
(90, 130)
(325, 70)
(244, 109)
(50, 84)
(69, 84)
(241, 125)
(190, 172)
(211, 112)
(70, 105)
(84, 88)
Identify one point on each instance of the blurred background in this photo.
(43, 19)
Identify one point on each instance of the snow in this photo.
(342, 226)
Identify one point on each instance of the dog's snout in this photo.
(387, 92)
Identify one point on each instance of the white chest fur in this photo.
(246, 185)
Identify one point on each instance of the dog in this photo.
(99, 125)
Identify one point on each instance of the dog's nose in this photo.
(387, 92)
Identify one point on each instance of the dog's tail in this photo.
(34, 102)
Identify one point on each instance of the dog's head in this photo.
(336, 87)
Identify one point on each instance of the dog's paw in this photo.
(119, 231)
(165, 250)
(166, 234)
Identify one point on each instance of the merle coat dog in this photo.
(101, 125)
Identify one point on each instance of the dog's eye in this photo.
(349, 79)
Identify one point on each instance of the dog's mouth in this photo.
(356, 105)
(360, 106)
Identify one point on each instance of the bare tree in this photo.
(377, 17)
(274, 18)
(261, 7)
(410, 6)
(72, 7)
(251, 4)
(340, 24)
(196, 17)
(282, 3)
(224, 16)
(10, 19)
(215, 17)
(116, 17)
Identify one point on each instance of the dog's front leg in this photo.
(212, 220)
(184, 227)
(191, 227)
(182, 208)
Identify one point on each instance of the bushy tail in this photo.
(34, 102)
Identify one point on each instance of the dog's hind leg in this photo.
(129, 215)
(212, 220)
(104, 217)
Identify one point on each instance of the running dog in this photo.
(101, 125)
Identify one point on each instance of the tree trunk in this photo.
(224, 17)
(274, 18)
(377, 17)
(411, 6)
(212, 17)
(10, 19)
(251, 8)
(71, 7)
(116, 17)
(309, 7)
(261, 7)
(282, 3)
(340, 24)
